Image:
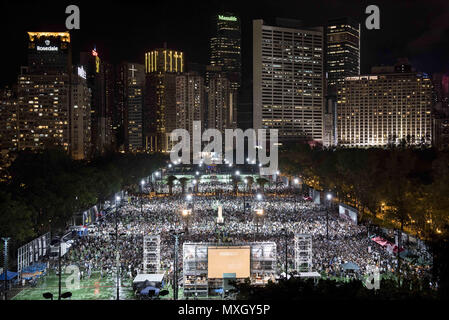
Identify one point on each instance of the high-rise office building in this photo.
(342, 44)
(221, 113)
(49, 53)
(131, 76)
(9, 130)
(288, 80)
(43, 111)
(8, 120)
(190, 101)
(164, 60)
(100, 81)
(342, 49)
(44, 92)
(441, 110)
(80, 122)
(225, 46)
(161, 68)
(386, 107)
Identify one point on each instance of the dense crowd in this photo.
(285, 215)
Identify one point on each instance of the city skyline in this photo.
(278, 150)
(124, 33)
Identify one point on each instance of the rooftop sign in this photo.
(227, 18)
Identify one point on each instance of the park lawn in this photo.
(94, 288)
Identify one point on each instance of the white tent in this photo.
(152, 277)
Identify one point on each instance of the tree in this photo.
(15, 219)
(250, 181)
(183, 182)
(170, 182)
(262, 182)
(235, 183)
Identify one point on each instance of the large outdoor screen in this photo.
(228, 260)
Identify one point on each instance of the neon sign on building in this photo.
(227, 18)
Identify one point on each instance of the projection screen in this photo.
(228, 260)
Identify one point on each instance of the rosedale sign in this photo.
(50, 48)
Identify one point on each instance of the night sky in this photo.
(124, 30)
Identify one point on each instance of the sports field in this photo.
(94, 288)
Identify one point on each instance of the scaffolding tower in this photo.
(195, 269)
(151, 254)
(303, 252)
(263, 262)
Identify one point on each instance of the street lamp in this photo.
(286, 247)
(186, 213)
(189, 198)
(329, 198)
(142, 184)
(176, 235)
(258, 214)
(259, 196)
(195, 185)
(5, 269)
(117, 200)
(237, 173)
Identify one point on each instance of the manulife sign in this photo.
(226, 18)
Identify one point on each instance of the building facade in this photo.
(43, 105)
(225, 46)
(342, 50)
(222, 112)
(288, 80)
(190, 100)
(100, 81)
(135, 76)
(342, 60)
(162, 66)
(80, 122)
(43, 111)
(385, 109)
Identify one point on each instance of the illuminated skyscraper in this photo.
(386, 107)
(342, 49)
(101, 82)
(164, 60)
(49, 53)
(221, 108)
(8, 120)
(43, 114)
(132, 78)
(288, 80)
(342, 60)
(80, 122)
(161, 68)
(44, 92)
(189, 100)
(225, 46)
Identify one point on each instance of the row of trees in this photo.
(299, 289)
(47, 188)
(400, 187)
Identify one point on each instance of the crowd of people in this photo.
(335, 241)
